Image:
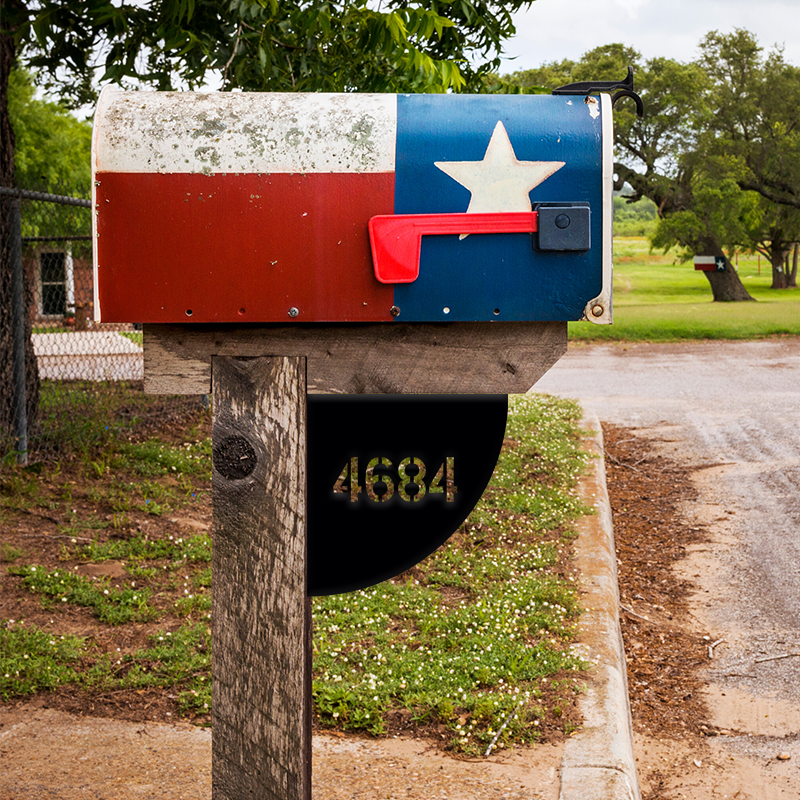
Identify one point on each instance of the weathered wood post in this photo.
(261, 613)
(279, 244)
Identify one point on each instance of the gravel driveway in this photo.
(732, 411)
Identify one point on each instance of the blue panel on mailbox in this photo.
(469, 153)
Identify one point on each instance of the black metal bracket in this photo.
(563, 226)
(625, 89)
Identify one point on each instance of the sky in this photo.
(551, 30)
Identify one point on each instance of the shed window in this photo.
(54, 283)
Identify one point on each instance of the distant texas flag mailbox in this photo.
(709, 263)
(235, 207)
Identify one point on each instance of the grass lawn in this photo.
(105, 559)
(657, 299)
(136, 337)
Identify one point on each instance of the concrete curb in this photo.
(598, 761)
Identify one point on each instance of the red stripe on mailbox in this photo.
(705, 263)
(226, 248)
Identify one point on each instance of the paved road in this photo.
(735, 404)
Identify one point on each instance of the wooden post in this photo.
(261, 741)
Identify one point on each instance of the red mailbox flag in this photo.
(396, 240)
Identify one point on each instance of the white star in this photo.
(500, 182)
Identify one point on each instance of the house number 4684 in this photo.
(382, 481)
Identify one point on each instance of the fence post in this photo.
(18, 334)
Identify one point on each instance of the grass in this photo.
(154, 458)
(138, 550)
(478, 635)
(137, 337)
(50, 329)
(78, 419)
(111, 605)
(8, 553)
(657, 299)
(181, 659)
(33, 660)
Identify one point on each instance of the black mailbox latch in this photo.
(563, 226)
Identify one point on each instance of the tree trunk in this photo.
(791, 274)
(9, 399)
(726, 287)
(777, 257)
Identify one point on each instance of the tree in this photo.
(51, 150)
(9, 413)
(753, 128)
(651, 150)
(744, 159)
(276, 45)
(791, 269)
(52, 154)
(346, 46)
(52, 146)
(549, 76)
(774, 231)
(634, 219)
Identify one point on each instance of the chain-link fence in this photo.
(78, 363)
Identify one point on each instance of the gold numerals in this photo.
(382, 480)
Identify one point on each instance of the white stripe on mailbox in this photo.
(250, 132)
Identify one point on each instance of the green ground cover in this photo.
(480, 633)
(475, 646)
(657, 299)
(137, 337)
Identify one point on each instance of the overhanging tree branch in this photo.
(767, 194)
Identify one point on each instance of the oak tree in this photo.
(753, 133)
(650, 151)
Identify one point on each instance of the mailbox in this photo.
(282, 208)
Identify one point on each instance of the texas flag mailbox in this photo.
(281, 208)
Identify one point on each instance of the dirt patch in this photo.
(48, 753)
(54, 755)
(647, 492)
(131, 743)
(688, 742)
(55, 511)
(391, 769)
(50, 512)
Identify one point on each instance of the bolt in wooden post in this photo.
(261, 741)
